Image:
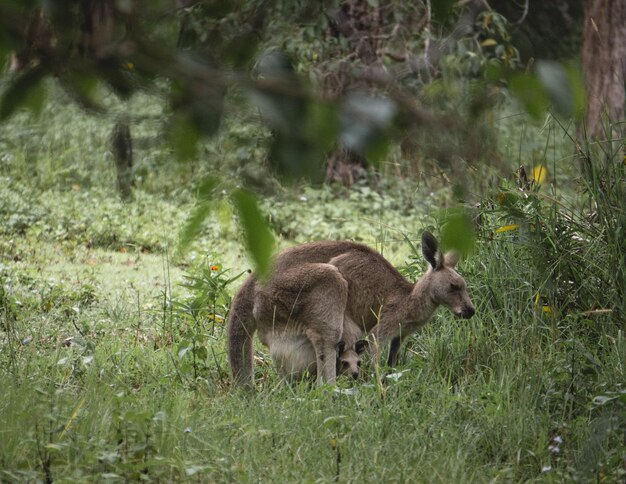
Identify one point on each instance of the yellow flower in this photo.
(540, 173)
(506, 228)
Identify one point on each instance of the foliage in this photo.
(112, 351)
(131, 382)
(199, 318)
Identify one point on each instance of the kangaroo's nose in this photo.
(468, 312)
(355, 374)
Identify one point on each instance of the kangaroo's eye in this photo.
(455, 287)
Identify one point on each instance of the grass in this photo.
(112, 344)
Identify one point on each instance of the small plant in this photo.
(201, 316)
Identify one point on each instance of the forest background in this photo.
(153, 152)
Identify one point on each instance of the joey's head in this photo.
(349, 359)
(445, 285)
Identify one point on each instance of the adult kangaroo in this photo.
(332, 292)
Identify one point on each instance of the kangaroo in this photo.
(270, 307)
(336, 291)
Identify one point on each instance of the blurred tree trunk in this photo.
(97, 26)
(37, 38)
(604, 63)
(122, 148)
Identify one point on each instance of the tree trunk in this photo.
(122, 148)
(604, 62)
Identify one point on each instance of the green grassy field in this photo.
(112, 342)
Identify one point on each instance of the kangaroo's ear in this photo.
(360, 346)
(430, 250)
(341, 346)
(452, 258)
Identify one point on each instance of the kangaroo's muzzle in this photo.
(466, 313)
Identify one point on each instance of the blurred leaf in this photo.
(241, 49)
(199, 214)
(457, 232)
(205, 109)
(117, 76)
(183, 137)
(7, 44)
(279, 95)
(442, 9)
(554, 79)
(322, 124)
(363, 120)
(257, 235)
(83, 87)
(488, 43)
(577, 88)
(293, 158)
(22, 5)
(494, 71)
(283, 112)
(206, 188)
(531, 93)
(24, 90)
(379, 147)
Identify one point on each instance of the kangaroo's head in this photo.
(445, 285)
(349, 359)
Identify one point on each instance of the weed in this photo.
(200, 319)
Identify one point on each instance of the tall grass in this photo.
(102, 388)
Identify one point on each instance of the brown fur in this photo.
(332, 292)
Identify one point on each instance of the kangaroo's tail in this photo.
(241, 328)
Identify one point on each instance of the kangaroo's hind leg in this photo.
(323, 316)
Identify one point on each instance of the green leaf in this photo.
(457, 232)
(442, 9)
(199, 214)
(201, 352)
(242, 48)
(554, 79)
(322, 124)
(577, 88)
(257, 235)
(294, 157)
(531, 93)
(183, 136)
(182, 351)
(378, 149)
(24, 90)
(365, 119)
(84, 89)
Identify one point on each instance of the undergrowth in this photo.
(108, 379)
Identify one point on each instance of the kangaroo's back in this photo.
(315, 252)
